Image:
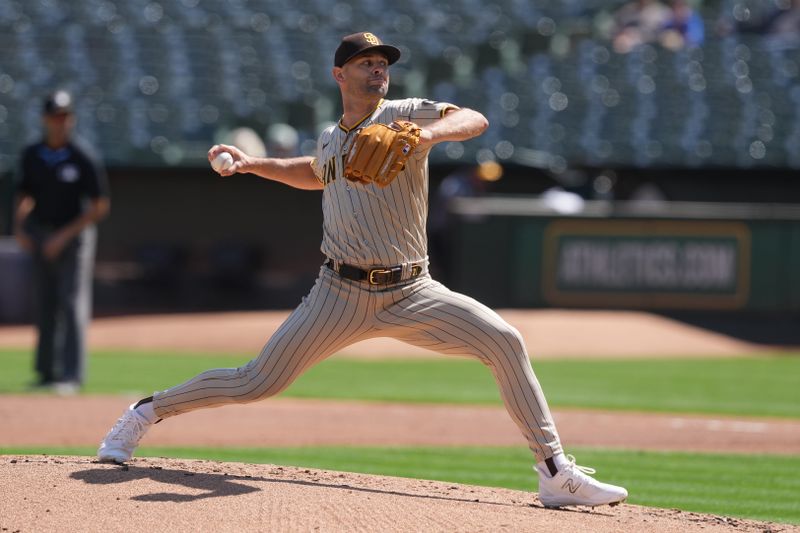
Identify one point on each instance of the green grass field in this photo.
(759, 487)
(756, 386)
(762, 487)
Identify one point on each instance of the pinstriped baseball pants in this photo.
(339, 312)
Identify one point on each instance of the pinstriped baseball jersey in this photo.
(367, 225)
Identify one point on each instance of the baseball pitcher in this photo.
(372, 169)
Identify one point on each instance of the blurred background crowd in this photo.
(566, 82)
(673, 100)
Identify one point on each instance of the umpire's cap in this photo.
(358, 43)
(59, 102)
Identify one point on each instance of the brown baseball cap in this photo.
(358, 43)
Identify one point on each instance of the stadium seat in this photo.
(156, 80)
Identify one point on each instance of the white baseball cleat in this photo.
(124, 437)
(573, 486)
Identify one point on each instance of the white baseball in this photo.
(222, 161)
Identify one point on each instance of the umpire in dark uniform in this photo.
(61, 194)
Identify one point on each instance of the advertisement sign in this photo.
(650, 263)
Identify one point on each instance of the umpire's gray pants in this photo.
(63, 297)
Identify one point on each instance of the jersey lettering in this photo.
(329, 170)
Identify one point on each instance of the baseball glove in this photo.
(380, 152)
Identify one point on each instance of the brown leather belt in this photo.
(374, 276)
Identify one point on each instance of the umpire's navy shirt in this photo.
(60, 180)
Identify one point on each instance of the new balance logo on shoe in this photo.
(571, 485)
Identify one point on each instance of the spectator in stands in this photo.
(469, 182)
(778, 20)
(784, 26)
(683, 29)
(62, 193)
(638, 22)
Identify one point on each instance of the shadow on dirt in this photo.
(212, 485)
(216, 485)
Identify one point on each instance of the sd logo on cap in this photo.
(358, 43)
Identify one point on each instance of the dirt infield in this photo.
(82, 421)
(76, 494)
(548, 334)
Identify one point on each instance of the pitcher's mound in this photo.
(49, 493)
